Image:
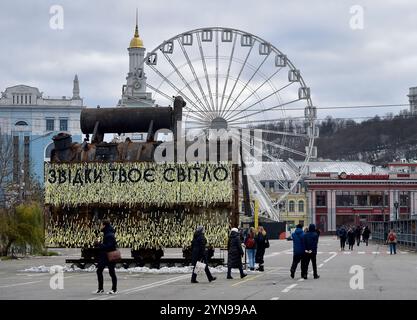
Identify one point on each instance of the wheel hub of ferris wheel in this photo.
(232, 79)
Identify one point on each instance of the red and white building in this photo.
(352, 193)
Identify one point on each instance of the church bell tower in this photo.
(134, 91)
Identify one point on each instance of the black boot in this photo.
(194, 278)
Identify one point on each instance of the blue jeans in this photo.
(393, 247)
(251, 257)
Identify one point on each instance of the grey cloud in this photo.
(343, 67)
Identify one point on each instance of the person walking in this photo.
(198, 254)
(250, 245)
(298, 248)
(351, 238)
(262, 243)
(342, 236)
(358, 232)
(365, 235)
(235, 254)
(392, 241)
(311, 239)
(108, 244)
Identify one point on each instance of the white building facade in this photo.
(31, 120)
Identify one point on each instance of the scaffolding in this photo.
(405, 230)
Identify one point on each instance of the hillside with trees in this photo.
(377, 140)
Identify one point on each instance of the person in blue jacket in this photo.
(311, 239)
(298, 248)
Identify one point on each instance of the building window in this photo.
(16, 159)
(21, 123)
(63, 125)
(26, 99)
(291, 206)
(376, 200)
(13, 99)
(321, 198)
(48, 151)
(50, 125)
(404, 199)
(30, 99)
(345, 199)
(362, 199)
(300, 206)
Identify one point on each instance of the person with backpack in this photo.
(311, 239)
(262, 243)
(298, 248)
(342, 236)
(250, 245)
(392, 241)
(365, 235)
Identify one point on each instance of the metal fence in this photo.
(405, 229)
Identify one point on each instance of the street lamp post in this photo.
(396, 204)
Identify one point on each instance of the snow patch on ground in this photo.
(169, 270)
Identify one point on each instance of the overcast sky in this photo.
(342, 66)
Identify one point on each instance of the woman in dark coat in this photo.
(262, 243)
(235, 254)
(358, 232)
(108, 245)
(351, 238)
(365, 235)
(198, 247)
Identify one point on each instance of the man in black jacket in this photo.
(311, 240)
(108, 245)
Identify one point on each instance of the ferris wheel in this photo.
(232, 79)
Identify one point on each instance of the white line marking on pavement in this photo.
(299, 280)
(375, 252)
(275, 298)
(144, 287)
(320, 252)
(347, 252)
(361, 252)
(19, 284)
(287, 289)
(320, 265)
(334, 254)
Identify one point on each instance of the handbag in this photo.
(199, 267)
(114, 256)
(266, 243)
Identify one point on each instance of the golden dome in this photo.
(136, 41)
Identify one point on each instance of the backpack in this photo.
(250, 242)
(391, 237)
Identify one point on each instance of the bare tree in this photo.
(6, 159)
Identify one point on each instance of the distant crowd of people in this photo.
(352, 235)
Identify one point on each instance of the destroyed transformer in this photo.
(152, 205)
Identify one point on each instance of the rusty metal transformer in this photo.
(151, 205)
